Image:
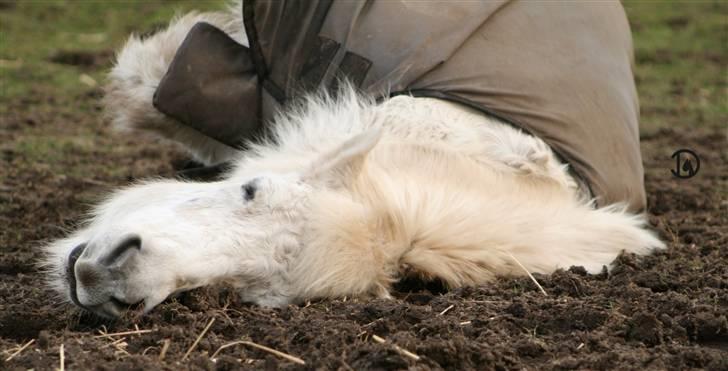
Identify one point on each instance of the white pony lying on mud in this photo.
(344, 197)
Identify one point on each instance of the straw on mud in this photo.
(120, 346)
(396, 347)
(115, 342)
(15, 353)
(165, 347)
(95, 182)
(465, 323)
(198, 338)
(446, 310)
(123, 333)
(63, 361)
(529, 274)
(482, 301)
(289, 357)
(346, 365)
(372, 322)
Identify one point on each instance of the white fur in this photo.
(139, 68)
(349, 196)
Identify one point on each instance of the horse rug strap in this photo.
(561, 71)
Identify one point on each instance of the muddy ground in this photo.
(666, 311)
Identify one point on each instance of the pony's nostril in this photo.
(70, 272)
(73, 256)
(130, 242)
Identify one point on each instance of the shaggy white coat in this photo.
(349, 196)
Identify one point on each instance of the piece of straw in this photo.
(446, 310)
(198, 339)
(165, 347)
(63, 361)
(15, 353)
(123, 333)
(396, 347)
(529, 274)
(115, 343)
(278, 353)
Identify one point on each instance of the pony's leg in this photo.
(140, 66)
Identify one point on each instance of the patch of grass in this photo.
(32, 32)
(681, 53)
(48, 102)
(50, 149)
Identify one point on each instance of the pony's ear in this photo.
(343, 164)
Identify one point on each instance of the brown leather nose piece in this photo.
(212, 86)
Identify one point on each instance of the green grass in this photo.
(33, 31)
(67, 124)
(681, 52)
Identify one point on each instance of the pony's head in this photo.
(151, 240)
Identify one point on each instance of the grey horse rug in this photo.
(561, 71)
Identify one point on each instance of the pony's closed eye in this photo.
(249, 190)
